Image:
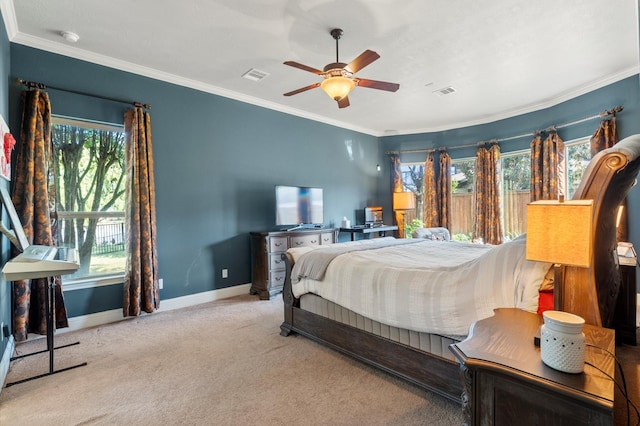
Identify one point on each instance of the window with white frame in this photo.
(90, 187)
(462, 209)
(578, 156)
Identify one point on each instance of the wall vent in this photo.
(255, 74)
(444, 91)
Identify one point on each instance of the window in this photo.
(516, 175)
(90, 186)
(462, 210)
(578, 155)
(413, 180)
(516, 190)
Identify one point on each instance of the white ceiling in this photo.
(503, 57)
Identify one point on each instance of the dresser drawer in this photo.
(305, 241)
(327, 238)
(275, 262)
(276, 279)
(277, 244)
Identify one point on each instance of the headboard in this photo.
(592, 292)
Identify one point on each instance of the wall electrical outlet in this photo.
(161, 283)
(225, 273)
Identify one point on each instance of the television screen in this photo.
(296, 205)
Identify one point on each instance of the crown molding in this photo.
(9, 17)
(87, 56)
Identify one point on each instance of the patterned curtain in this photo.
(605, 136)
(396, 186)
(444, 190)
(32, 196)
(141, 277)
(430, 212)
(488, 224)
(547, 168)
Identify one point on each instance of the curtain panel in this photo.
(444, 190)
(430, 210)
(547, 168)
(487, 195)
(141, 291)
(34, 200)
(605, 136)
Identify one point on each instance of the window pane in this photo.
(462, 210)
(578, 157)
(516, 180)
(413, 181)
(90, 185)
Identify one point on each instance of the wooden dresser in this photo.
(267, 267)
(505, 381)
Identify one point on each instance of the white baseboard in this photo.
(115, 315)
(6, 359)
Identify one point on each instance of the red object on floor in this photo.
(545, 301)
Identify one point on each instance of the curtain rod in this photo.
(35, 85)
(549, 129)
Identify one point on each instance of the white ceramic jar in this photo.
(562, 344)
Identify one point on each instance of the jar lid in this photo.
(564, 321)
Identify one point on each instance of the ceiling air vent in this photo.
(445, 91)
(255, 75)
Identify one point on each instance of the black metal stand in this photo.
(49, 314)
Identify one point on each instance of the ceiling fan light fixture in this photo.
(337, 87)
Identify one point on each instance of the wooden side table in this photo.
(381, 230)
(505, 381)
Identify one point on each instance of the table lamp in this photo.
(403, 201)
(560, 232)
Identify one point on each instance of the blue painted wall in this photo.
(217, 162)
(5, 288)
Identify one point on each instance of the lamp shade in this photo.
(403, 201)
(337, 87)
(560, 232)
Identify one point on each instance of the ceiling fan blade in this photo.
(362, 61)
(344, 102)
(302, 89)
(303, 67)
(374, 84)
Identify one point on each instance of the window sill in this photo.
(91, 282)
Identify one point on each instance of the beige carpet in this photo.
(219, 363)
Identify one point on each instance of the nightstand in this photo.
(505, 381)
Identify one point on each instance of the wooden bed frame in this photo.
(588, 292)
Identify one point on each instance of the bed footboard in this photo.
(428, 371)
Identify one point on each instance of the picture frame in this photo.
(5, 151)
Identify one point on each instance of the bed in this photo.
(390, 318)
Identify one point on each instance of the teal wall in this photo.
(5, 287)
(217, 162)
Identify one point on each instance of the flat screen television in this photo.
(299, 205)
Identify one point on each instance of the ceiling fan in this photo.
(338, 77)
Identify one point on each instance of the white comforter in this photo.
(430, 286)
